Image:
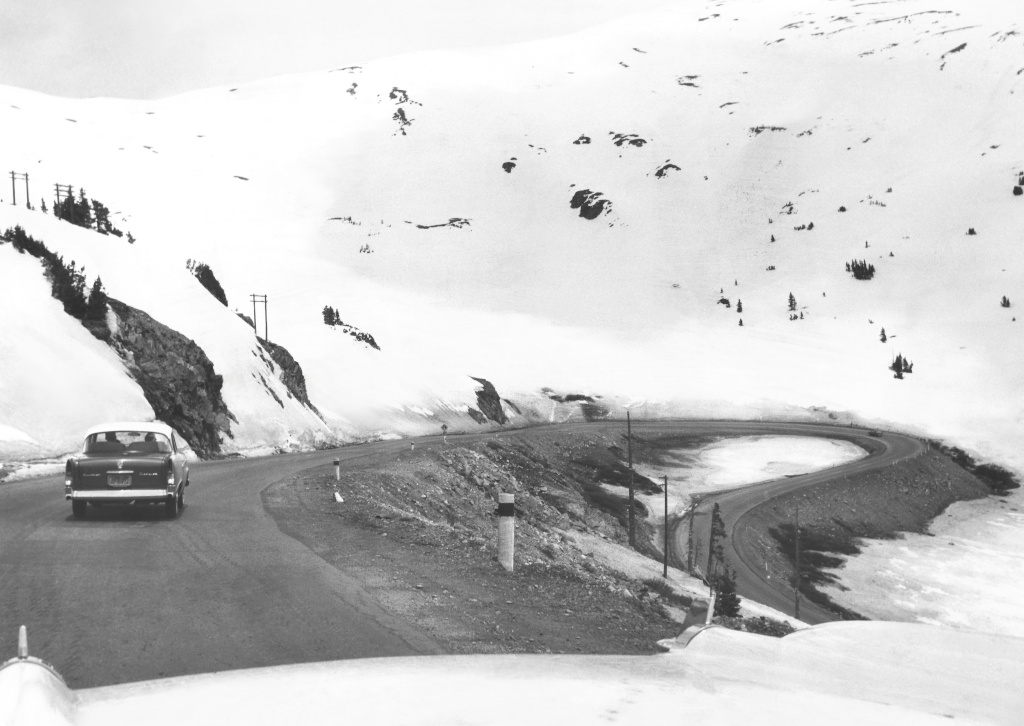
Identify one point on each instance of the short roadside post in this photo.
(337, 470)
(506, 530)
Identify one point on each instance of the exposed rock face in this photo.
(591, 204)
(291, 372)
(489, 401)
(177, 378)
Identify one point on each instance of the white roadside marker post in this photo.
(506, 530)
(337, 470)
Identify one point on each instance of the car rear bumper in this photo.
(123, 495)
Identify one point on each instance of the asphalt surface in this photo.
(126, 595)
(751, 579)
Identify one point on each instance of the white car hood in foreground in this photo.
(839, 673)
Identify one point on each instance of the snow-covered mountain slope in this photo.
(428, 198)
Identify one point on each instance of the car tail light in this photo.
(170, 477)
(69, 476)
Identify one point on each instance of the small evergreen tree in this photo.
(792, 302)
(83, 212)
(883, 338)
(861, 269)
(43, 205)
(739, 306)
(96, 309)
(1005, 302)
(716, 554)
(900, 366)
(727, 602)
(741, 322)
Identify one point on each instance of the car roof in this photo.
(147, 426)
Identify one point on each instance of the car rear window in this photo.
(127, 442)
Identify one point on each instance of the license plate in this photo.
(119, 480)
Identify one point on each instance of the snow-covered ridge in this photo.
(766, 117)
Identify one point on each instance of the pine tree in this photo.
(131, 240)
(717, 553)
(328, 315)
(883, 338)
(82, 210)
(897, 366)
(741, 322)
(96, 309)
(1005, 302)
(792, 302)
(739, 306)
(727, 602)
(102, 216)
(43, 205)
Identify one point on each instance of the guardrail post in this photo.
(506, 530)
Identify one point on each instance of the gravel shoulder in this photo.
(419, 534)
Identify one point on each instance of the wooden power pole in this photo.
(263, 299)
(796, 578)
(664, 572)
(629, 447)
(689, 536)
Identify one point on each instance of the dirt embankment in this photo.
(433, 558)
(835, 516)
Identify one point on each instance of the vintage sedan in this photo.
(128, 462)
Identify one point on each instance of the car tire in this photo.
(77, 508)
(173, 505)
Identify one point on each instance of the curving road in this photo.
(126, 596)
(735, 504)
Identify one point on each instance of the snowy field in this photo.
(733, 462)
(967, 572)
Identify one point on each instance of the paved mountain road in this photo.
(126, 595)
(884, 450)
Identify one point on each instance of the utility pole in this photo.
(711, 549)
(14, 194)
(629, 446)
(689, 536)
(664, 572)
(796, 593)
(263, 299)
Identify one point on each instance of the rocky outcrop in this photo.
(291, 372)
(591, 204)
(176, 376)
(489, 401)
